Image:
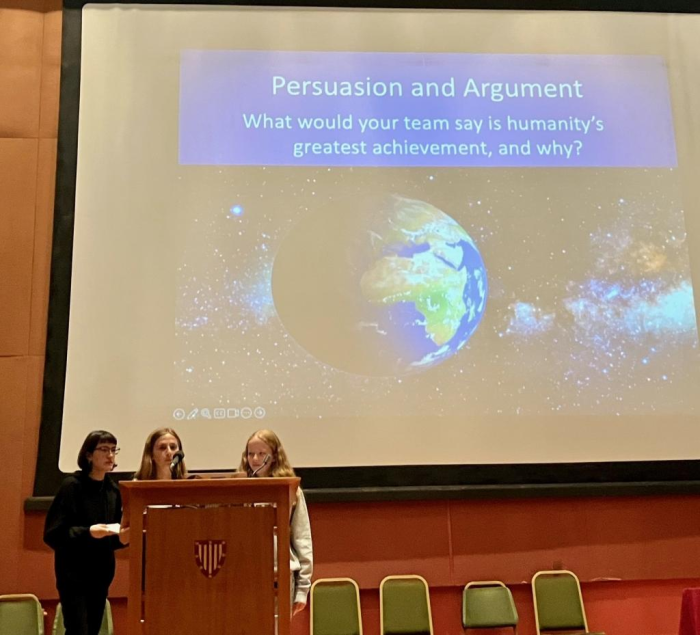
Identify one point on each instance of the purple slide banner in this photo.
(366, 109)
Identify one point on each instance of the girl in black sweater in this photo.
(82, 528)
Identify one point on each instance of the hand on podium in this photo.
(298, 607)
(124, 535)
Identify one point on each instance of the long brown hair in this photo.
(280, 462)
(148, 470)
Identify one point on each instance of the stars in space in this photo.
(590, 308)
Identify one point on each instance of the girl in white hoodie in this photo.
(264, 456)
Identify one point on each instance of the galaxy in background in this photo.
(590, 304)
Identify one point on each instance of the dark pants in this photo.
(83, 609)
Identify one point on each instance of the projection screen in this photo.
(396, 237)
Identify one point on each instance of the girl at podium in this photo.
(163, 457)
(264, 456)
(82, 527)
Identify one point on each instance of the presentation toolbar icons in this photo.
(246, 412)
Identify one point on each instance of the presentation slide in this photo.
(396, 237)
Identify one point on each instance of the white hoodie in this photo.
(301, 551)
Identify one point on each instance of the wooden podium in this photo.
(203, 556)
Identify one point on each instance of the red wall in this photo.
(635, 555)
(649, 546)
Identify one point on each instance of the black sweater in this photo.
(81, 502)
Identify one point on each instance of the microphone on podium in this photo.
(260, 467)
(177, 459)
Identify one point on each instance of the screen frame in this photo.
(337, 483)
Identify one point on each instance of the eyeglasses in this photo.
(107, 450)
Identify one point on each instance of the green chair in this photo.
(488, 605)
(559, 603)
(335, 607)
(21, 614)
(404, 606)
(106, 628)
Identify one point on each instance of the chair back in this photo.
(558, 602)
(106, 628)
(21, 614)
(335, 607)
(488, 605)
(404, 603)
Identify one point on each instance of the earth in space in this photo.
(382, 286)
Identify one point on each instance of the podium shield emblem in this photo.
(210, 556)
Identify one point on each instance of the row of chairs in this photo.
(405, 605)
(22, 614)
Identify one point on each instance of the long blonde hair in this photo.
(280, 462)
(148, 470)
